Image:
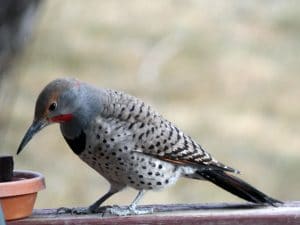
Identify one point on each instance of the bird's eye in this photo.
(52, 107)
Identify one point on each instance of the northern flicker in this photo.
(129, 143)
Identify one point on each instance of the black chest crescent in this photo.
(77, 144)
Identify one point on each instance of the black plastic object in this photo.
(6, 168)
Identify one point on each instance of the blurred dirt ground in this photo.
(226, 72)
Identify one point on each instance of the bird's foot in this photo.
(114, 210)
(102, 209)
(127, 211)
(84, 211)
(72, 211)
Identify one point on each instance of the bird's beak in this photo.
(35, 127)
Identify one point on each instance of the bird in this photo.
(128, 143)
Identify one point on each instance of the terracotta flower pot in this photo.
(17, 197)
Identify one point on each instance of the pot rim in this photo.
(30, 182)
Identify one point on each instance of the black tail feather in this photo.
(237, 187)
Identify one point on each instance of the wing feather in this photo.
(153, 135)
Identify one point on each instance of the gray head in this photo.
(62, 101)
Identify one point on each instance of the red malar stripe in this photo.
(62, 118)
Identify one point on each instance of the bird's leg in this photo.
(94, 208)
(131, 209)
(132, 206)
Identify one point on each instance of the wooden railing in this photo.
(206, 214)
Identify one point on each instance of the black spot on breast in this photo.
(132, 108)
(77, 144)
(141, 136)
(147, 133)
(131, 125)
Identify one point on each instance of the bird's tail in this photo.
(237, 187)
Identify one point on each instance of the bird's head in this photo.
(55, 104)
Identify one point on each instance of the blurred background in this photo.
(225, 72)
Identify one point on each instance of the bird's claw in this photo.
(102, 209)
(127, 211)
(84, 211)
(72, 211)
(105, 210)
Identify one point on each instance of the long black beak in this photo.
(35, 127)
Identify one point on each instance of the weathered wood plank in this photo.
(219, 214)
